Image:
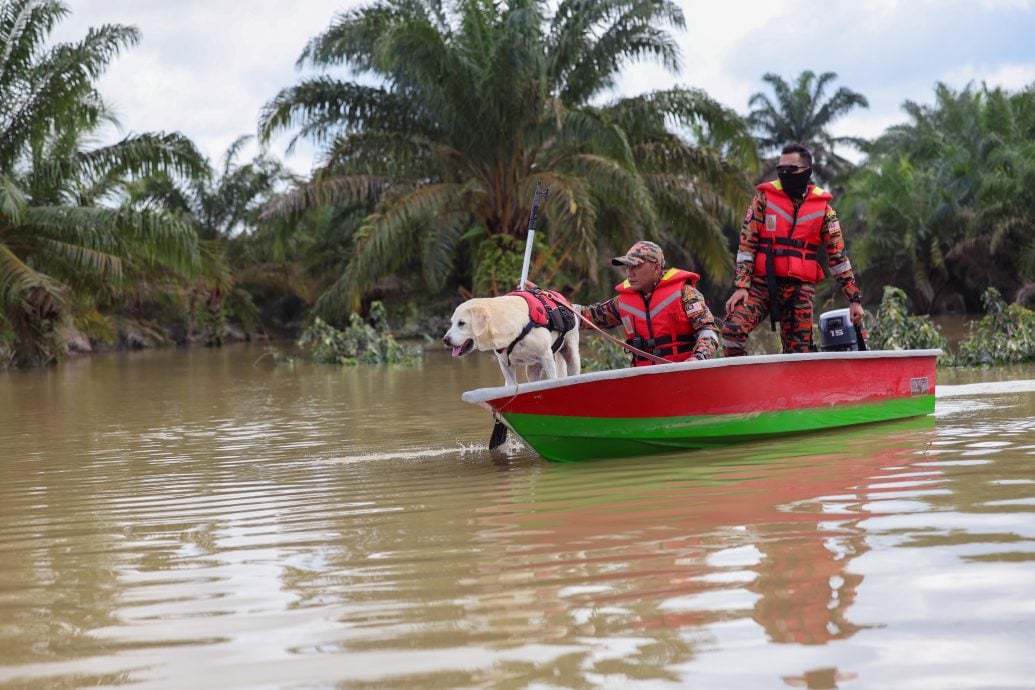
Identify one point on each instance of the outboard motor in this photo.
(837, 333)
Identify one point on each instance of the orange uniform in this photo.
(796, 263)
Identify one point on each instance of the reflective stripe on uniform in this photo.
(745, 256)
(654, 310)
(660, 306)
(622, 306)
(842, 267)
(776, 209)
(709, 333)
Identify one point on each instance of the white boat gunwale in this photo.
(483, 395)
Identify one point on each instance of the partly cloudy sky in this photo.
(206, 67)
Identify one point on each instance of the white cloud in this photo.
(713, 35)
(1009, 76)
(206, 67)
(1008, 4)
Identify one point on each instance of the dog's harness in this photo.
(546, 309)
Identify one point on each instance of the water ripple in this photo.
(263, 528)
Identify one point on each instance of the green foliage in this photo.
(58, 240)
(498, 265)
(1006, 334)
(479, 101)
(210, 321)
(764, 340)
(894, 328)
(360, 342)
(499, 259)
(943, 204)
(94, 325)
(8, 343)
(600, 354)
(222, 206)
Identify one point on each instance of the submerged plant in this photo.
(1006, 334)
(894, 328)
(360, 342)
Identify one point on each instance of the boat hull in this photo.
(717, 402)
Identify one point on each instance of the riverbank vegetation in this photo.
(429, 155)
(1004, 335)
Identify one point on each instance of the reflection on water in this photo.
(199, 519)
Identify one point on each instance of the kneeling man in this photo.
(662, 311)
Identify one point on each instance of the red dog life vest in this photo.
(541, 304)
(546, 309)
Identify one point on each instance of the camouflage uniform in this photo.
(795, 296)
(606, 315)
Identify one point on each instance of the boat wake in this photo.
(407, 454)
(985, 388)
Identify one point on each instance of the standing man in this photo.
(661, 310)
(778, 263)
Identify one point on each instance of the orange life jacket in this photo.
(659, 325)
(791, 236)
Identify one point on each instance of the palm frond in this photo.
(17, 278)
(150, 238)
(385, 238)
(342, 191)
(323, 107)
(12, 201)
(144, 155)
(75, 262)
(61, 82)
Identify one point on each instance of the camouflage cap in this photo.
(640, 252)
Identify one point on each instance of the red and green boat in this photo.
(666, 407)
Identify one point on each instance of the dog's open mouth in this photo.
(462, 350)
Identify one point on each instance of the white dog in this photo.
(497, 323)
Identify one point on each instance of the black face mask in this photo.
(795, 184)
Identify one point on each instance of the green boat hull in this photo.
(570, 439)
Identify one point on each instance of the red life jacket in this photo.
(791, 236)
(660, 326)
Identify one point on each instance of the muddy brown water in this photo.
(207, 519)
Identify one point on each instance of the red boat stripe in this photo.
(752, 388)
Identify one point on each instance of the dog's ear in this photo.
(479, 320)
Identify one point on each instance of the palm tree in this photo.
(904, 229)
(223, 201)
(221, 205)
(472, 106)
(56, 237)
(945, 200)
(802, 114)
